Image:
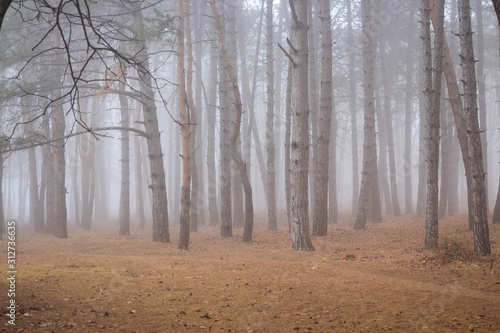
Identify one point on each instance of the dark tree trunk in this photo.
(433, 106)
(299, 224)
(369, 179)
(478, 185)
(157, 171)
(320, 217)
(272, 223)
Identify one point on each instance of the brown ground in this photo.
(374, 280)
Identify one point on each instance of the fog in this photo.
(50, 64)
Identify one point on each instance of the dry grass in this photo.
(373, 280)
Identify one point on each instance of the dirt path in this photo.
(373, 280)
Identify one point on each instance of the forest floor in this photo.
(374, 280)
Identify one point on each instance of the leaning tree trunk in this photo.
(433, 105)
(458, 111)
(320, 217)
(478, 186)
(369, 145)
(272, 223)
(235, 153)
(299, 223)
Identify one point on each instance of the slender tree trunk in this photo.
(272, 223)
(369, 187)
(408, 115)
(422, 151)
(385, 189)
(211, 113)
(235, 153)
(479, 198)
(157, 171)
(313, 102)
(288, 133)
(87, 156)
(446, 151)
(184, 122)
(433, 106)
(299, 224)
(226, 224)
(353, 113)
(481, 86)
(124, 212)
(138, 184)
(192, 117)
(35, 209)
(198, 170)
(320, 217)
(458, 111)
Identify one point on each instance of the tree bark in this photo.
(299, 224)
(157, 173)
(433, 105)
(124, 212)
(408, 115)
(369, 187)
(352, 110)
(458, 111)
(320, 217)
(184, 122)
(478, 186)
(272, 223)
(235, 153)
(211, 113)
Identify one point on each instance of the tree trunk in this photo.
(198, 195)
(124, 212)
(320, 217)
(192, 117)
(299, 224)
(87, 156)
(158, 185)
(433, 105)
(35, 209)
(138, 183)
(313, 102)
(408, 115)
(369, 187)
(225, 141)
(481, 86)
(211, 113)
(422, 152)
(235, 153)
(352, 109)
(184, 122)
(272, 223)
(458, 111)
(288, 134)
(60, 223)
(478, 186)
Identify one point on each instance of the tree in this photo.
(352, 109)
(235, 153)
(478, 186)
(433, 105)
(124, 212)
(271, 176)
(299, 160)
(320, 217)
(185, 132)
(369, 180)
